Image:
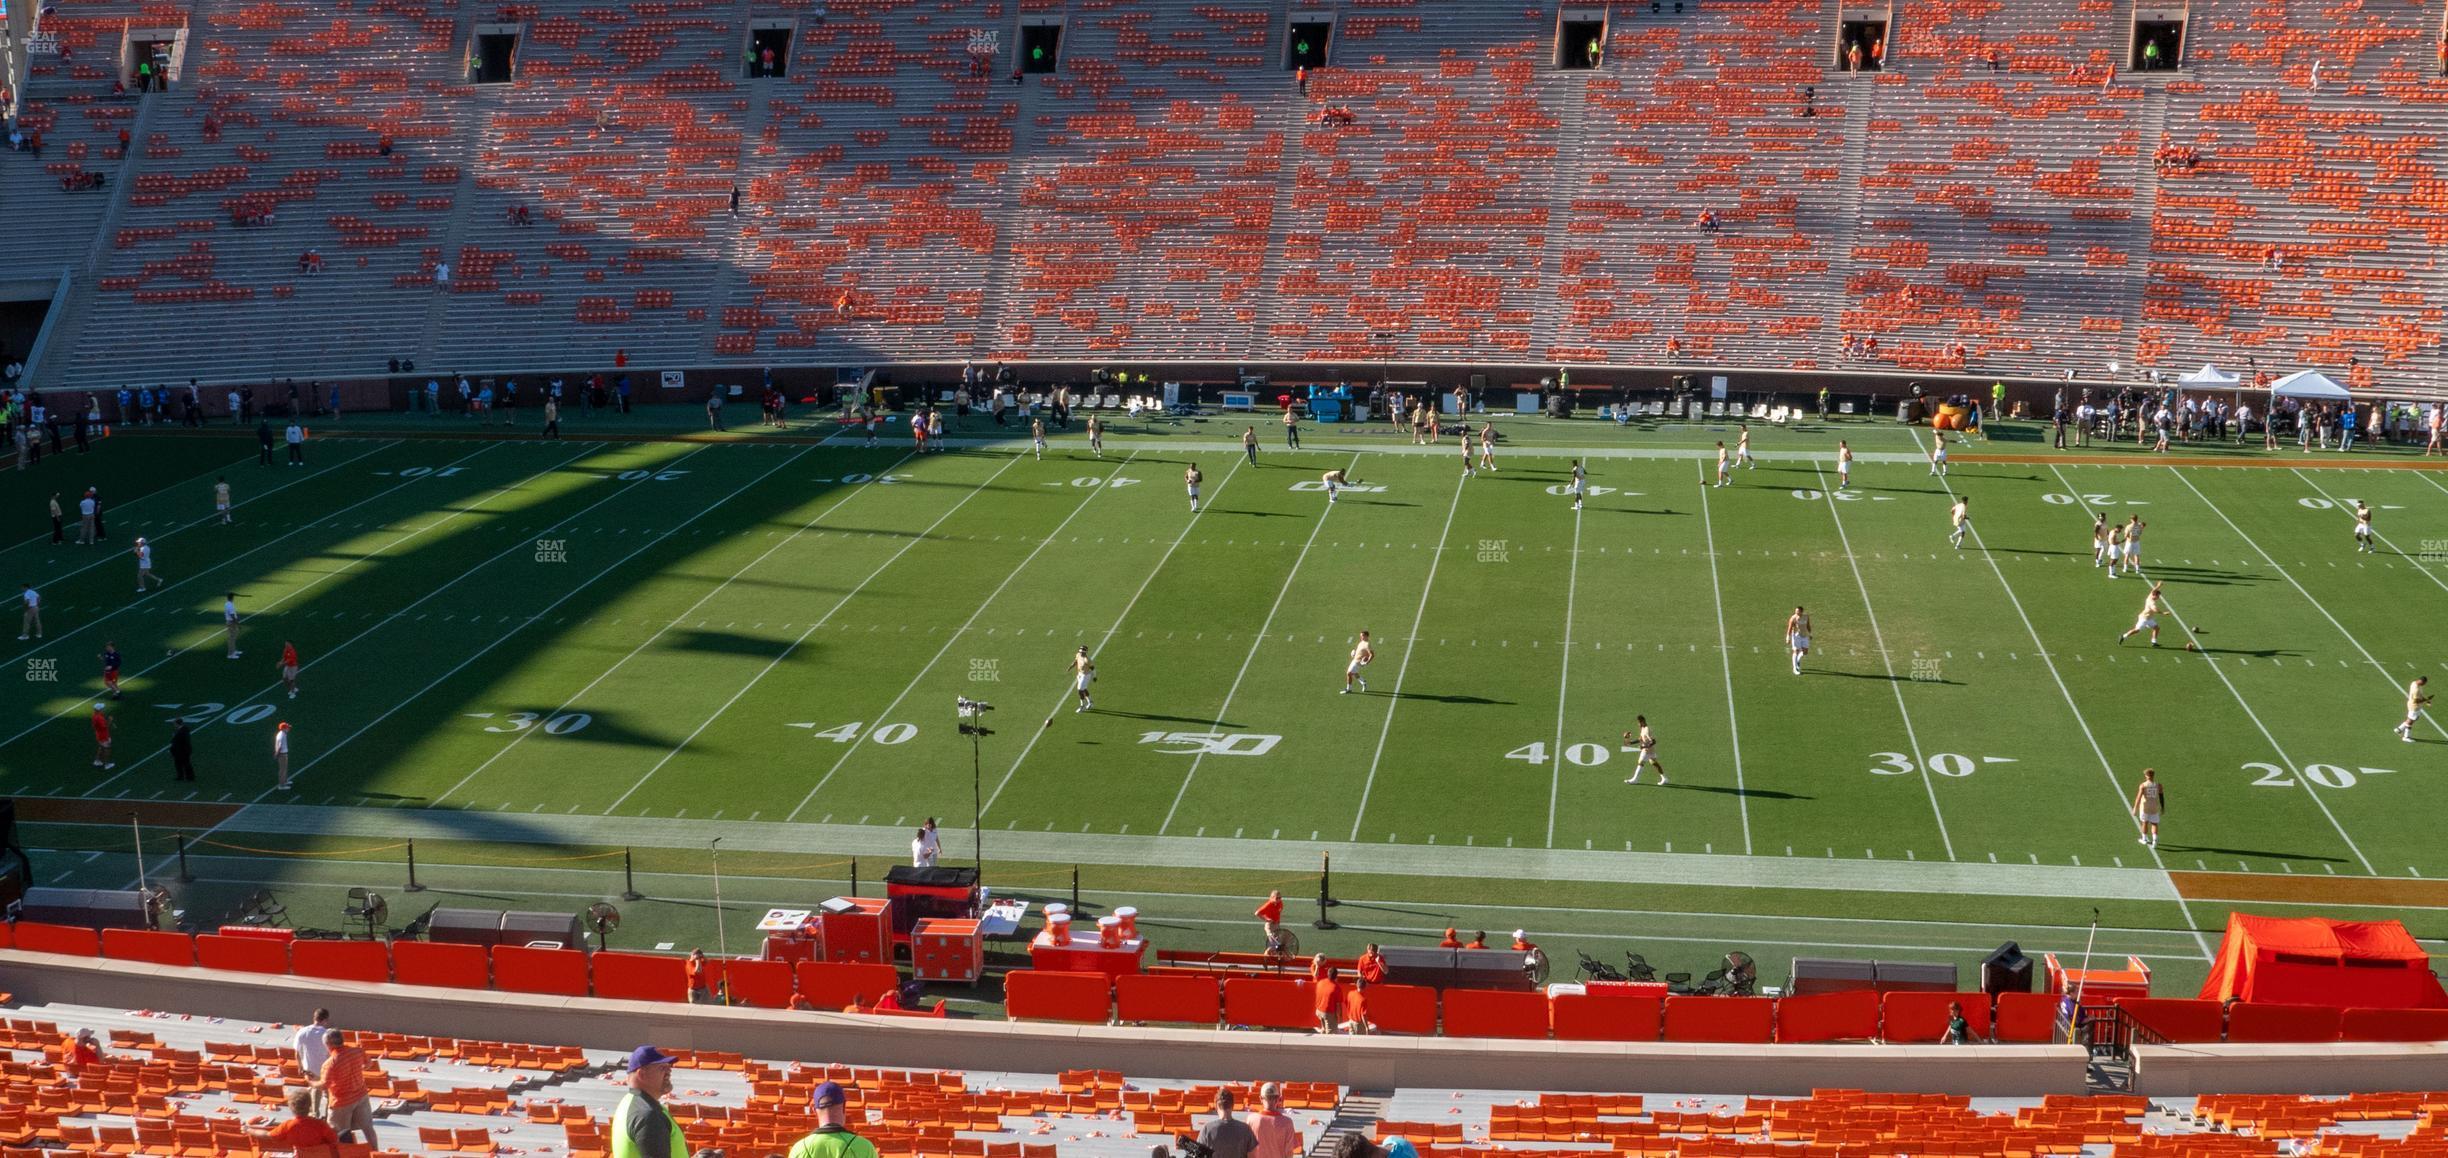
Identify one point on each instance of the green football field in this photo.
(542, 661)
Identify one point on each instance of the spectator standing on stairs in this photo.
(343, 1084)
(312, 1052)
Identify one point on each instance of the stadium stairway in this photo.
(1359, 1113)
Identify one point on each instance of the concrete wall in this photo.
(1367, 1062)
(2338, 1068)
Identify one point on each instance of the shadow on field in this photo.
(1749, 793)
(1433, 698)
(726, 643)
(2249, 852)
(1643, 511)
(1885, 678)
(2204, 577)
(1163, 718)
(598, 728)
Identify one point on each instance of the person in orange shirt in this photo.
(1270, 915)
(697, 980)
(289, 666)
(81, 1050)
(1522, 944)
(1355, 1008)
(344, 1088)
(799, 1001)
(302, 1130)
(1329, 996)
(1372, 965)
(1453, 940)
(1478, 940)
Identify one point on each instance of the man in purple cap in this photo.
(832, 1138)
(641, 1127)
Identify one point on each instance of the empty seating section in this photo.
(2305, 229)
(1693, 115)
(2002, 197)
(872, 189)
(1422, 216)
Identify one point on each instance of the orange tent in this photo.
(2313, 961)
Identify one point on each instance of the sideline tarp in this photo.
(2309, 384)
(2314, 961)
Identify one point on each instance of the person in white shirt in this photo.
(221, 499)
(926, 848)
(2149, 801)
(237, 408)
(144, 565)
(31, 627)
(229, 622)
(88, 514)
(280, 755)
(313, 1051)
(297, 444)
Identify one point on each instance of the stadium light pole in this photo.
(973, 725)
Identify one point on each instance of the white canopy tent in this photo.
(2208, 375)
(2309, 384)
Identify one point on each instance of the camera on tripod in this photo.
(1184, 1146)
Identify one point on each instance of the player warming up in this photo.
(2133, 545)
(1724, 472)
(1083, 673)
(1963, 520)
(1335, 482)
(1487, 446)
(1580, 480)
(2149, 801)
(1797, 636)
(2148, 620)
(144, 566)
(1096, 435)
(1844, 464)
(2099, 539)
(1742, 449)
(221, 499)
(1645, 742)
(1037, 436)
(2363, 531)
(1362, 655)
(1192, 478)
(2416, 697)
(1938, 454)
(289, 666)
(110, 668)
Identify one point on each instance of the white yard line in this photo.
(860, 740)
(1725, 666)
(1411, 646)
(2346, 507)
(513, 630)
(1110, 632)
(125, 557)
(2079, 507)
(821, 620)
(2352, 640)
(1224, 710)
(1886, 660)
(1555, 778)
(334, 573)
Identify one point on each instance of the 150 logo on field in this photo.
(1211, 743)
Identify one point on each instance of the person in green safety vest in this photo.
(641, 1127)
(832, 1138)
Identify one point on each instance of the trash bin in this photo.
(1905, 410)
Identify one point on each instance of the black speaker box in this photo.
(465, 927)
(526, 928)
(1456, 968)
(85, 908)
(2006, 971)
